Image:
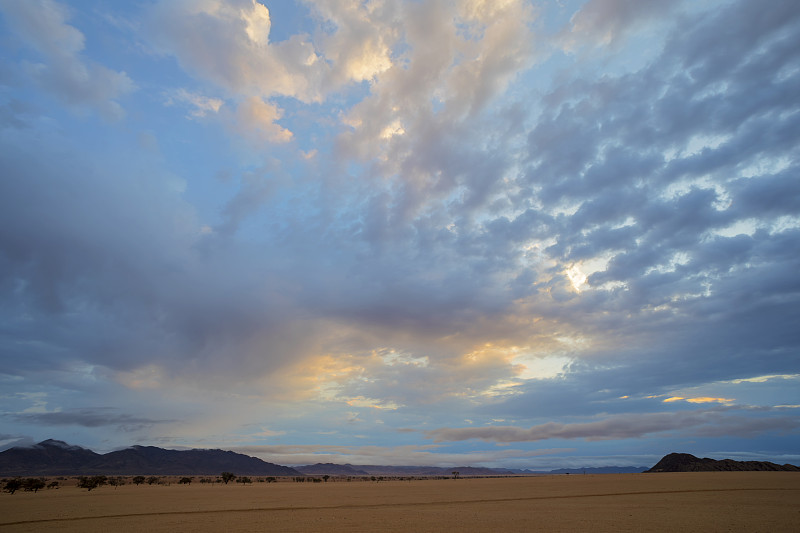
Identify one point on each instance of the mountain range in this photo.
(685, 462)
(388, 470)
(57, 458)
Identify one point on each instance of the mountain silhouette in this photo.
(685, 462)
(57, 458)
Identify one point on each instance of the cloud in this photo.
(473, 206)
(42, 24)
(202, 105)
(701, 399)
(361, 41)
(228, 44)
(417, 455)
(606, 22)
(257, 118)
(90, 418)
(627, 426)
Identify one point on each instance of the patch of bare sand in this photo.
(716, 501)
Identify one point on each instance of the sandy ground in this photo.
(686, 502)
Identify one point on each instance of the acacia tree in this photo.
(93, 482)
(227, 476)
(33, 484)
(13, 485)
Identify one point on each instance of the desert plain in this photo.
(686, 502)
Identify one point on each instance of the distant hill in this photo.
(57, 458)
(589, 470)
(685, 462)
(331, 469)
(389, 470)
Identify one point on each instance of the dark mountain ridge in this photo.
(57, 458)
(685, 462)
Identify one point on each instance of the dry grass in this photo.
(718, 501)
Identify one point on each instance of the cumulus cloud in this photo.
(257, 118)
(228, 44)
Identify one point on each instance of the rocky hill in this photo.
(57, 458)
(684, 462)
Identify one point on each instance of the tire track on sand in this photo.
(381, 505)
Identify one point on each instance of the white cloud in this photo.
(257, 119)
(227, 43)
(201, 105)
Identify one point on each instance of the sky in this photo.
(507, 233)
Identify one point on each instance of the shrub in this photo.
(186, 480)
(138, 480)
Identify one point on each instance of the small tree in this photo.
(186, 480)
(93, 482)
(456, 475)
(152, 480)
(116, 481)
(33, 484)
(243, 479)
(12, 485)
(138, 480)
(227, 476)
(326, 477)
(52, 485)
